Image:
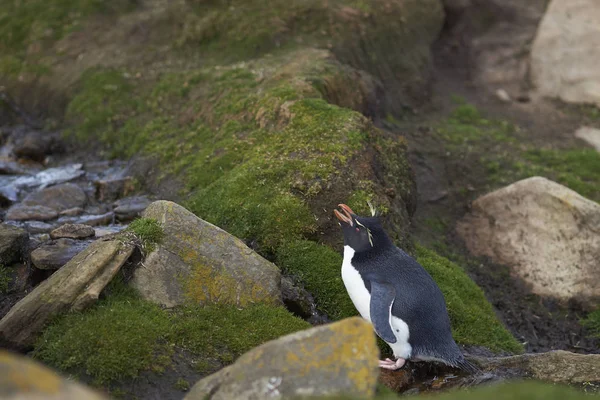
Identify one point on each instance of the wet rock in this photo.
(50, 176)
(71, 212)
(73, 287)
(60, 197)
(564, 55)
(554, 366)
(23, 212)
(546, 233)
(590, 135)
(114, 188)
(38, 227)
(339, 358)
(21, 378)
(56, 253)
(13, 243)
(35, 145)
(130, 207)
(73, 231)
(18, 276)
(201, 263)
(296, 299)
(8, 195)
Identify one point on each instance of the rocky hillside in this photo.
(249, 122)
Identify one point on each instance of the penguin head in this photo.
(360, 233)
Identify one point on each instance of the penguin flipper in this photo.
(382, 298)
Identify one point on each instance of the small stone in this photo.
(503, 95)
(92, 220)
(23, 212)
(34, 227)
(112, 189)
(590, 135)
(71, 212)
(73, 231)
(56, 253)
(35, 145)
(60, 197)
(13, 243)
(130, 207)
(109, 230)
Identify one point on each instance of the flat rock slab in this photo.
(554, 366)
(73, 287)
(200, 263)
(339, 358)
(24, 212)
(564, 54)
(56, 253)
(59, 197)
(13, 243)
(130, 207)
(21, 378)
(73, 231)
(590, 135)
(547, 234)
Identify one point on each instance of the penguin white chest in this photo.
(355, 285)
(361, 298)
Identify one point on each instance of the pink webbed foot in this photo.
(391, 364)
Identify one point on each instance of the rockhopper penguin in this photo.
(395, 293)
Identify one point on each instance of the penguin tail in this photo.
(467, 366)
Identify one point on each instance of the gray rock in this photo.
(296, 298)
(554, 366)
(22, 378)
(200, 263)
(71, 212)
(60, 197)
(38, 227)
(546, 233)
(56, 253)
(73, 287)
(23, 212)
(92, 220)
(73, 231)
(13, 243)
(335, 359)
(130, 207)
(35, 145)
(590, 135)
(564, 54)
(11, 167)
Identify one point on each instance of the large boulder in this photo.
(548, 234)
(565, 56)
(340, 358)
(201, 263)
(24, 379)
(73, 287)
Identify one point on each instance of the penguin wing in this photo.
(382, 298)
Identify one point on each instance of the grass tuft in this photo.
(148, 231)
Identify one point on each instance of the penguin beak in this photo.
(346, 215)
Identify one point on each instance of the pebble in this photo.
(73, 231)
(23, 212)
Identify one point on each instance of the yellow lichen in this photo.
(24, 376)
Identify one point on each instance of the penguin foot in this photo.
(391, 364)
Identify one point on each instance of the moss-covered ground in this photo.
(5, 278)
(123, 335)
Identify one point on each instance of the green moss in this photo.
(5, 279)
(148, 231)
(575, 168)
(472, 316)
(592, 323)
(36, 21)
(182, 384)
(123, 335)
(318, 266)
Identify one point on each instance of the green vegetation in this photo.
(123, 335)
(472, 316)
(5, 278)
(182, 384)
(592, 323)
(148, 231)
